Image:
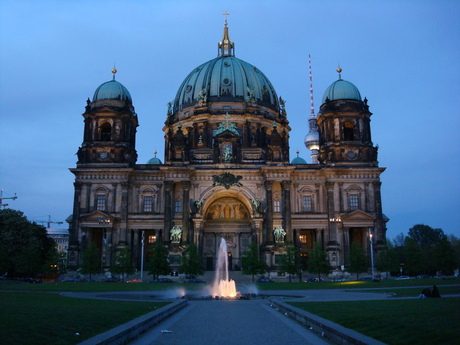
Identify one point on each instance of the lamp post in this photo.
(335, 221)
(372, 252)
(103, 221)
(142, 256)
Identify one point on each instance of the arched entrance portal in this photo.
(229, 218)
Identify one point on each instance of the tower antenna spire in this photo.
(312, 105)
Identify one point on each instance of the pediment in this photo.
(227, 133)
(96, 219)
(358, 218)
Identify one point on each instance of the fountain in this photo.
(222, 286)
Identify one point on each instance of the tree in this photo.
(91, 263)
(158, 263)
(358, 259)
(426, 236)
(414, 258)
(252, 264)
(291, 261)
(191, 262)
(25, 246)
(123, 263)
(444, 257)
(387, 259)
(317, 261)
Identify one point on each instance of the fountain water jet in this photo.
(222, 286)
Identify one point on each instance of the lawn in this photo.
(396, 321)
(52, 319)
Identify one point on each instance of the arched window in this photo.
(354, 193)
(306, 202)
(105, 132)
(348, 131)
(148, 200)
(101, 197)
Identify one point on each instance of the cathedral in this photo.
(227, 173)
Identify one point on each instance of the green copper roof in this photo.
(112, 90)
(154, 160)
(341, 89)
(299, 160)
(226, 78)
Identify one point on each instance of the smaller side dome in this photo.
(341, 89)
(154, 160)
(112, 90)
(298, 160)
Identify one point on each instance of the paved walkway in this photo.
(229, 322)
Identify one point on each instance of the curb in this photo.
(328, 329)
(128, 331)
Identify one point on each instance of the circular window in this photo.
(226, 64)
(351, 154)
(226, 81)
(188, 88)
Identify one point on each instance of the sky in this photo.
(402, 55)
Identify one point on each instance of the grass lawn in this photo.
(347, 285)
(415, 291)
(396, 321)
(51, 319)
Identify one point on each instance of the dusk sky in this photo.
(404, 56)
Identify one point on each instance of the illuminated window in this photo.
(148, 203)
(303, 238)
(354, 202)
(307, 204)
(101, 202)
(277, 206)
(152, 238)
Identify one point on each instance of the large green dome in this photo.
(341, 89)
(226, 79)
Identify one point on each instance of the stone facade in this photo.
(226, 174)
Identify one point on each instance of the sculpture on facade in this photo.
(175, 234)
(279, 235)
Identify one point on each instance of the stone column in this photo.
(267, 235)
(186, 212)
(286, 185)
(167, 212)
(123, 213)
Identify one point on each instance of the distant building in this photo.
(61, 237)
(227, 172)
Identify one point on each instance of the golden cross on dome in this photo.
(225, 14)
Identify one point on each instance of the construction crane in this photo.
(3, 198)
(48, 222)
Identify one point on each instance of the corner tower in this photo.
(110, 127)
(344, 126)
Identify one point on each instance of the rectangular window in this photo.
(148, 203)
(178, 207)
(307, 204)
(303, 238)
(152, 238)
(354, 202)
(101, 201)
(277, 206)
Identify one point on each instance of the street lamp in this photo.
(372, 252)
(335, 221)
(103, 221)
(142, 256)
